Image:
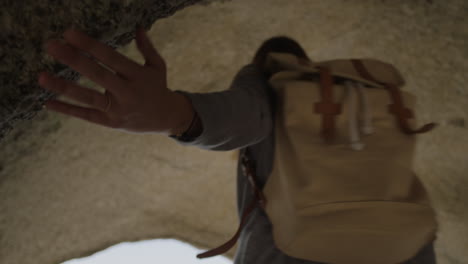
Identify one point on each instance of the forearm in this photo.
(234, 118)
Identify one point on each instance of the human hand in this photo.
(138, 95)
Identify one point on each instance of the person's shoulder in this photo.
(248, 77)
(250, 71)
(249, 67)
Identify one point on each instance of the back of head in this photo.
(278, 44)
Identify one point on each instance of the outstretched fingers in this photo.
(74, 91)
(150, 54)
(91, 115)
(102, 52)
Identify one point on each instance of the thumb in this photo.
(151, 55)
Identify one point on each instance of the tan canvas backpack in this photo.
(342, 189)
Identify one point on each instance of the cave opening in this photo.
(149, 252)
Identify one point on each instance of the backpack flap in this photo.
(381, 71)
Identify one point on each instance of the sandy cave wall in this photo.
(69, 188)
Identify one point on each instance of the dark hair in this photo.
(278, 44)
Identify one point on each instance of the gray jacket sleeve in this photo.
(234, 118)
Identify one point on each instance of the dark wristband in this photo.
(195, 129)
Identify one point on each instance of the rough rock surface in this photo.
(69, 188)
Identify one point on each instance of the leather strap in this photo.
(229, 244)
(248, 168)
(327, 107)
(398, 108)
(403, 114)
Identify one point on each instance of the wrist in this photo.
(183, 114)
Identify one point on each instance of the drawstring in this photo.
(367, 127)
(354, 136)
(354, 139)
